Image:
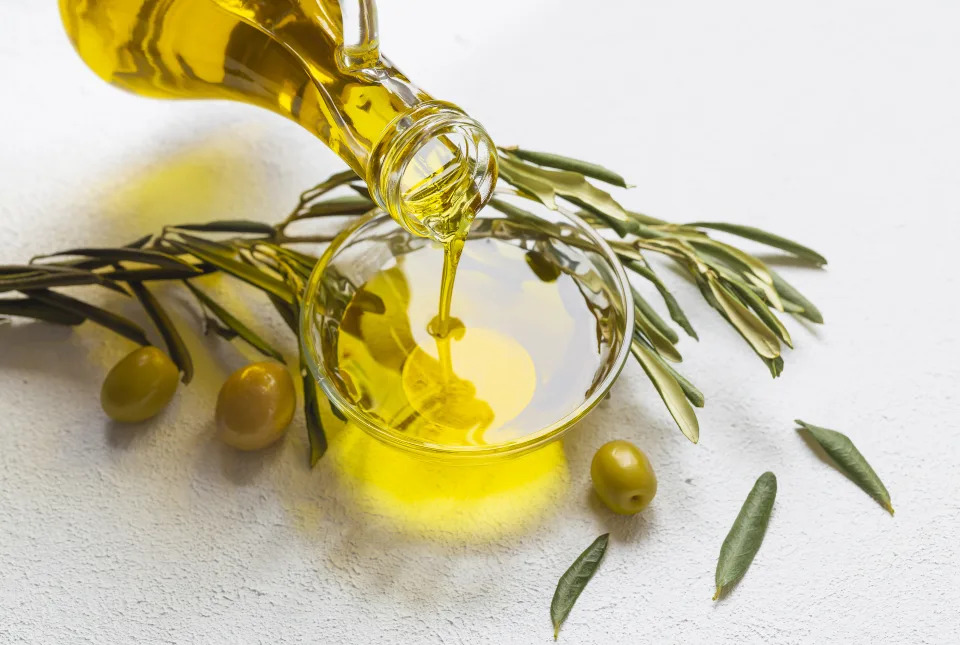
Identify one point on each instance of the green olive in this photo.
(139, 386)
(623, 477)
(255, 405)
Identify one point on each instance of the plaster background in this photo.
(832, 123)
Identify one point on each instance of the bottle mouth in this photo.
(433, 169)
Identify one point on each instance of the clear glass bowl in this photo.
(569, 245)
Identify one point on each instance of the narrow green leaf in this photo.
(810, 312)
(331, 182)
(574, 580)
(288, 312)
(660, 343)
(650, 314)
(694, 395)
(567, 163)
(850, 462)
(531, 187)
(229, 226)
(30, 308)
(775, 365)
(336, 411)
(757, 235)
(575, 188)
(234, 324)
(620, 227)
(177, 349)
(110, 320)
(43, 279)
(126, 254)
(147, 275)
(676, 313)
(211, 253)
(669, 390)
(760, 308)
(543, 268)
(311, 412)
(744, 539)
(758, 335)
(349, 205)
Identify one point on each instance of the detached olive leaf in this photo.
(574, 580)
(560, 162)
(850, 462)
(758, 335)
(744, 539)
(179, 353)
(235, 325)
(669, 390)
(758, 235)
(102, 317)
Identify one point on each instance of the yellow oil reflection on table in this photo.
(448, 501)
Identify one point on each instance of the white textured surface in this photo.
(834, 123)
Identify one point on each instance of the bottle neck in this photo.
(433, 169)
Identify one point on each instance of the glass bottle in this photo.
(317, 62)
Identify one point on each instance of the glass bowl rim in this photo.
(383, 433)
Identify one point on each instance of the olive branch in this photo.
(747, 293)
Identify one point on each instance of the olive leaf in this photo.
(787, 292)
(543, 268)
(30, 308)
(110, 320)
(229, 226)
(177, 349)
(653, 317)
(574, 580)
(694, 395)
(758, 235)
(311, 412)
(673, 307)
(125, 254)
(758, 335)
(42, 277)
(745, 536)
(349, 205)
(234, 324)
(325, 186)
(147, 275)
(669, 390)
(560, 162)
(748, 297)
(211, 253)
(850, 462)
(569, 185)
(660, 343)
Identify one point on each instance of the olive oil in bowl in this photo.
(533, 339)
